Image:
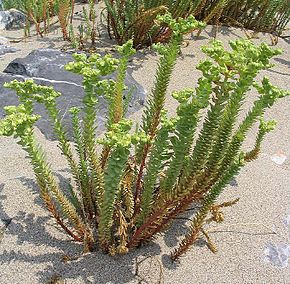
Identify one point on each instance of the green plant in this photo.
(16, 4)
(141, 180)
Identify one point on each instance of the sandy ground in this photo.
(32, 248)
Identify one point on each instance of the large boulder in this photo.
(46, 67)
(12, 19)
(44, 63)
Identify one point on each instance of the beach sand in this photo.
(32, 248)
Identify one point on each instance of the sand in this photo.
(32, 248)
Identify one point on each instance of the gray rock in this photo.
(4, 46)
(44, 63)
(277, 254)
(7, 49)
(12, 19)
(4, 223)
(3, 40)
(46, 67)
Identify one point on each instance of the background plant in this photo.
(141, 180)
(39, 13)
(257, 15)
(136, 19)
(87, 30)
(16, 4)
(63, 9)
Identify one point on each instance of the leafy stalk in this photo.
(198, 220)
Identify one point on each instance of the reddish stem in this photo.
(139, 179)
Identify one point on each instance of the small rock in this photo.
(4, 223)
(277, 255)
(7, 49)
(4, 46)
(234, 182)
(3, 40)
(287, 220)
(12, 19)
(279, 158)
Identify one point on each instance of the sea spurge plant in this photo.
(130, 190)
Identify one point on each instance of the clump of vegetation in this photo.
(257, 15)
(87, 30)
(136, 19)
(142, 179)
(63, 9)
(39, 13)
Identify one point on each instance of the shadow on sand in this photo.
(94, 267)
